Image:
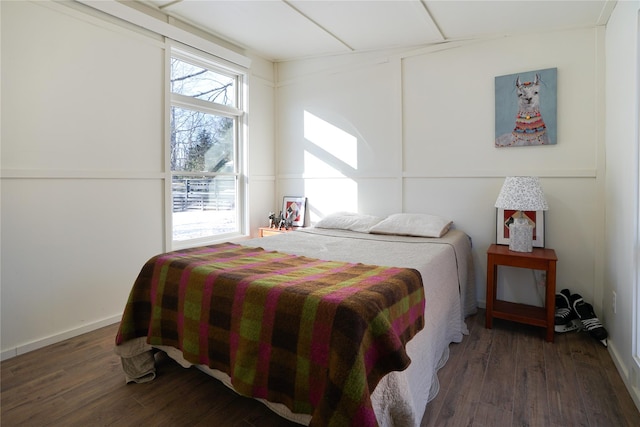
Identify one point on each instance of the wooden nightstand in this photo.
(539, 259)
(266, 231)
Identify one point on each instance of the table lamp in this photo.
(521, 193)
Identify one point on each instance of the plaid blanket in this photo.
(314, 335)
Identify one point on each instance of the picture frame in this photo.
(536, 119)
(297, 205)
(504, 217)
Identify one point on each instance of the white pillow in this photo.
(405, 224)
(349, 221)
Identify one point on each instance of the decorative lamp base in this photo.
(521, 236)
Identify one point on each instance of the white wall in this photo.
(261, 144)
(423, 125)
(82, 166)
(623, 90)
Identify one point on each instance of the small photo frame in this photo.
(504, 217)
(294, 206)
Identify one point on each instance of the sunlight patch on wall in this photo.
(331, 195)
(335, 141)
(330, 157)
(315, 167)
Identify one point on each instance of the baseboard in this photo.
(53, 339)
(629, 375)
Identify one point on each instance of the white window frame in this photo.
(180, 51)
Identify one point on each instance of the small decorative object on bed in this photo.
(293, 209)
(354, 338)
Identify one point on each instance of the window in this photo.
(205, 156)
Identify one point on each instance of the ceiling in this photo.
(281, 30)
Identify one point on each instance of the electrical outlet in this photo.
(613, 302)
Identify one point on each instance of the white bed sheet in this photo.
(447, 273)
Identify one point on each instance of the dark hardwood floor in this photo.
(505, 376)
(510, 376)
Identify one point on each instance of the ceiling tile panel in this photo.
(271, 28)
(471, 19)
(366, 25)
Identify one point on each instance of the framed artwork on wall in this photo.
(294, 207)
(526, 108)
(504, 217)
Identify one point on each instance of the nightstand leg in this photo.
(551, 299)
(491, 291)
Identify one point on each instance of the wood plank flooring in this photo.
(504, 376)
(509, 376)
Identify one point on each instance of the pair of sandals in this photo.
(573, 313)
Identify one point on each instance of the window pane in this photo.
(201, 142)
(203, 206)
(205, 199)
(197, 82)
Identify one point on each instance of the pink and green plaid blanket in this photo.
(314, 335)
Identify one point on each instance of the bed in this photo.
(377, 359)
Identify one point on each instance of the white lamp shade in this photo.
(522, 193)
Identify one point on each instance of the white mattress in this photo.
(447, 274)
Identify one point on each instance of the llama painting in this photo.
(526, 108)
